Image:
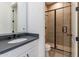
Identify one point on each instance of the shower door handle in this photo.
(64, 29)
(77, 38)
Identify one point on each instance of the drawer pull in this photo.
(27, 55)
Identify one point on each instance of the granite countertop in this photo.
(5, 46)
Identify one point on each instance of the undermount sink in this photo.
(17, 40)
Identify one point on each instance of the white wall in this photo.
(5, 17)
(36, 23)
(74, 29)
(22, 17)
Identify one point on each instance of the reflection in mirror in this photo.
(13, 17)
(5, 17)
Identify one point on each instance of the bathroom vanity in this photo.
(19, 45)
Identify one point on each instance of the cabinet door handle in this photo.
(27, 55)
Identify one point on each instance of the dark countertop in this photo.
(5, 46)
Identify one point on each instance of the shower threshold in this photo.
(61, 49)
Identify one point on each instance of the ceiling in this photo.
(50, 3)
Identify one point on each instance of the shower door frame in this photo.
(55, 45)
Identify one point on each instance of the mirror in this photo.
(13, 17)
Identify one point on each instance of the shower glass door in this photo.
(49, 27)
(67, 34)
(63, 30)
(59, 29)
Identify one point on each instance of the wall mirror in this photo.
(13, 17)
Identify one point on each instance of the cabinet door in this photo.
(24, 54)
(33, 52)
(22, 51)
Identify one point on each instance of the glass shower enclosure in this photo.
(58, 28)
